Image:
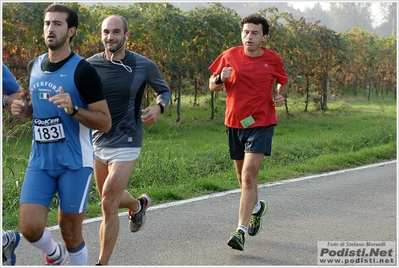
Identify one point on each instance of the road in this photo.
(357, 204)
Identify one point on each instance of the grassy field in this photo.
(190, 158)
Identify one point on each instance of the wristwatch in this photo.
(162, 105)
(75, 110)
(5, 103)
(218, 79)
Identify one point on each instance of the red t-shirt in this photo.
(249, 88)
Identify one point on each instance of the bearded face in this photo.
(56, 31)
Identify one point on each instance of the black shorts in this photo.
(249, 140)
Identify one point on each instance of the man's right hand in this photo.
(226, 73)
(19, 108)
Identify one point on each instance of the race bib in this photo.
(48, 130)
(246, 122)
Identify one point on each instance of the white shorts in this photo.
(110, 155)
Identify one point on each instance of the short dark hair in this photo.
(256, 19)
(72, 18)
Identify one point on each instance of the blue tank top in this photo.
(59, 140)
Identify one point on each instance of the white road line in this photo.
(269, 184)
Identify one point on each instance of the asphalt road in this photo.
(357, 204)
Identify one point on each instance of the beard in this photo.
(117, 48)
(57, 43)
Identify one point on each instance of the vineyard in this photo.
(340, 111)
(322, 64)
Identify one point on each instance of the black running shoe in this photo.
(237, 240)
(255, 223)
(136, 221)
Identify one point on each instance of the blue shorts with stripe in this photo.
(73, 186)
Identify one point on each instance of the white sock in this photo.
(47, 245)
(139, 207)
(242, 228)
(79, 255)
(257, 207)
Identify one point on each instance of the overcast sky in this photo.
(375, 11)
(297, 5)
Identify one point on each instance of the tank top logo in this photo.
(43, 84)
(44, 96)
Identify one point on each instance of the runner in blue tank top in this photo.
(11, 91)
(11, 88)
(66, 102)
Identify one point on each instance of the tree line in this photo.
(321, 63)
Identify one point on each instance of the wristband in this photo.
(5, 103)
(75, 110)
(218, 79)
(162, 107)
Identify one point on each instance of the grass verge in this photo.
(190, 158)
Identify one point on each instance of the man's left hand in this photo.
(150, 114)
(278, 100)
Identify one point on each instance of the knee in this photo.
(70, 238)
(31, 228)
(32, 232)
(249, 180)
(71, 234)
(32, 221)
(109, 204)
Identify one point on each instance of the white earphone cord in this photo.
(120, 62)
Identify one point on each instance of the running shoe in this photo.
(237, 240)
(9, 257)
(62, 259)
(255, 223)
(136, 221)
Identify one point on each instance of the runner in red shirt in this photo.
(249, 73)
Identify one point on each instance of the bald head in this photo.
(116, 21)
(114, 35)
